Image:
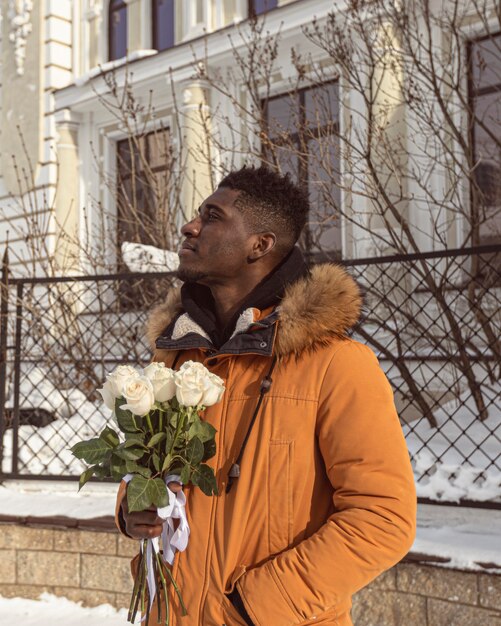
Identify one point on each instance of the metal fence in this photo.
(434, 320)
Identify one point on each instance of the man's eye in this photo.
(212, 216)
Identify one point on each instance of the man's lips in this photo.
(186, 247)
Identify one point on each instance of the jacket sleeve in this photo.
(373, 526)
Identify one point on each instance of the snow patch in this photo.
(438, 454)
(140, 257)
(47, 499)
(466, 536)
(53, 611)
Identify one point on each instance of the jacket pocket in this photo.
(231, 616)
(280, 495)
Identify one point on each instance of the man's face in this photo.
(217, 243)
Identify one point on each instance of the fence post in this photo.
(17, 377)
(4, 327)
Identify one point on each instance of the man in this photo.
(316, 493)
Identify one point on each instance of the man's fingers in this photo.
(138, 531)
(145, 524)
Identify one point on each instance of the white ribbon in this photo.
(172, 539)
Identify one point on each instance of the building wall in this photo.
(94, 567)
(70, 49)
(27, 101)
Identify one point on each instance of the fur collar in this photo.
(314, 309)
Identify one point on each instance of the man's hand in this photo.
(144, 524)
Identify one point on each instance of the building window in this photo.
(303, 130)
(117, 29)
(144, 166)
(257, 7)
(485, 99)
(163, 24)
(196, 18)
(143, 190)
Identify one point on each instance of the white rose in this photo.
(117, 378)
(108, 395)
(162, 379)
(139, 396)
(214, 389)
(195, 385)
(190, 383)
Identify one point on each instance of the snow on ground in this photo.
(438, 454)
(466, 536)
(48, 498)
(45, 450)
(53, 611)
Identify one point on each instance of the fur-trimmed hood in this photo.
(316, 308)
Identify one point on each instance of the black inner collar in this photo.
(198, 302)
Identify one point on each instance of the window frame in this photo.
(296, 138)
(251, 11)
(155, 26)
(472, 95)
(120, 4)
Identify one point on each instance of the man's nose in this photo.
(191, 229)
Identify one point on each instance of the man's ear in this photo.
(263, 244)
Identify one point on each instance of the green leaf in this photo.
(134, 468)
(185, 474)
(194, 451)
(139, 494)
(159, 493)
(203, 430)
(102, 472)
(117, 468)
(209, 449)
(169, 436)
(137, 438)
(203, 477)
(91, 451)
(110, 437)
(128, 454)
(156, 461)
(166, 463)
(157, 437)
(126, 420)
(137, 442)
(86, 476)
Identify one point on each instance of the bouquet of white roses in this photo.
(162, 438)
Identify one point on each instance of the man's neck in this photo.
(229, 298)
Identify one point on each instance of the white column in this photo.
(134, 25)
(196, 146)
(67, 202)
(96, 36)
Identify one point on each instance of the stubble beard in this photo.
(187, 275)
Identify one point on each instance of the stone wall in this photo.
(92, 566)
(87, 565)
(411, 594)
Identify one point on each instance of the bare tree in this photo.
(380, 119)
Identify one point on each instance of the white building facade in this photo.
(62, 144)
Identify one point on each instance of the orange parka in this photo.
(325, 500)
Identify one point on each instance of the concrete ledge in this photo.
(93, 566)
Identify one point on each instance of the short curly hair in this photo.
(270, 201)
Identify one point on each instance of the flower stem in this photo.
(174, 584)
(150, 425)
(144, 583)
(138, 585)
(164, 587)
